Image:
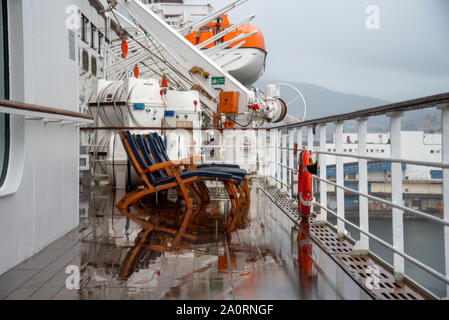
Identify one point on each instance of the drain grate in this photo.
(375, 278)
(332, 243)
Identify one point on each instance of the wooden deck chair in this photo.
(232, 186)
(163, 174)
(242, 188)
(152, 185)
(229, 181)
(186, 163)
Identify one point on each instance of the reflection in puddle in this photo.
(268, 258)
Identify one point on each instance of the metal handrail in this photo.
(41, 109)
(389, 203)
(168, 129)
(414, 162)
(415, 104)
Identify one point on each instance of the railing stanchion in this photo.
(340, 178)
(262, 152)
(278, 158)
(258, 154)
(363, 185)
(291, 160)
(284, 161)
(396, 193)
(300, 146)
(272, 154)
(310, 138)
(265, 151)
(445, 128)
(299, 141)
(323, 175)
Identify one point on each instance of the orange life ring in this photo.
(305, 188)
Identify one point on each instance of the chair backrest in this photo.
(162, 146)
(146, 152)
(158, 155)
(132, 150)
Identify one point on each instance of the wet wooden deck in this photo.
(269, 259)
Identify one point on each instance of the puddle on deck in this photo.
(268, 259)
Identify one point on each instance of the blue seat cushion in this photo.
(199, 174)
(237, 172)
(220, 165)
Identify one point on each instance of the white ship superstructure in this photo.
(417, 145)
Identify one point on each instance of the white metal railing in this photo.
(396, 160)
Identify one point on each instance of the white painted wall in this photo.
(46, 205)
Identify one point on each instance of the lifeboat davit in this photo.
(246, 63)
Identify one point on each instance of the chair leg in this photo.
(198, 201)
(133, 256)
(189, 212)
(126, 197)
(195, 194)
(232, 196)
(241, 204)
(129, 200)
(182, 229)
(247, 193)
(203, 191)
(195, 216)
(133, 197)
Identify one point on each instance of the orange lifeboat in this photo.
(201, 36)
(256, 41)
(247, 63)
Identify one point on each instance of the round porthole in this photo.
(4, 146)
(13, 155)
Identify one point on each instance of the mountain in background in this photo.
(322, 102)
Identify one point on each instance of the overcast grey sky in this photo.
(326, 42)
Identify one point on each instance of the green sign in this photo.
(218, 81)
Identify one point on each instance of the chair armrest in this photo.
(160, 166)
(192, 159)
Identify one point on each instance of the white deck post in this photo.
(278, 158)
(323, 175)
(445, 126)
(284, 162)
(267, 153)
(396, 194)
(299, 139)
(340, 178)
(310, 138)
(363, 185)
(300, 148)
(262, 151)
(291, 159)
(272, 154)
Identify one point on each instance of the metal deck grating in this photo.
(339, 249)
